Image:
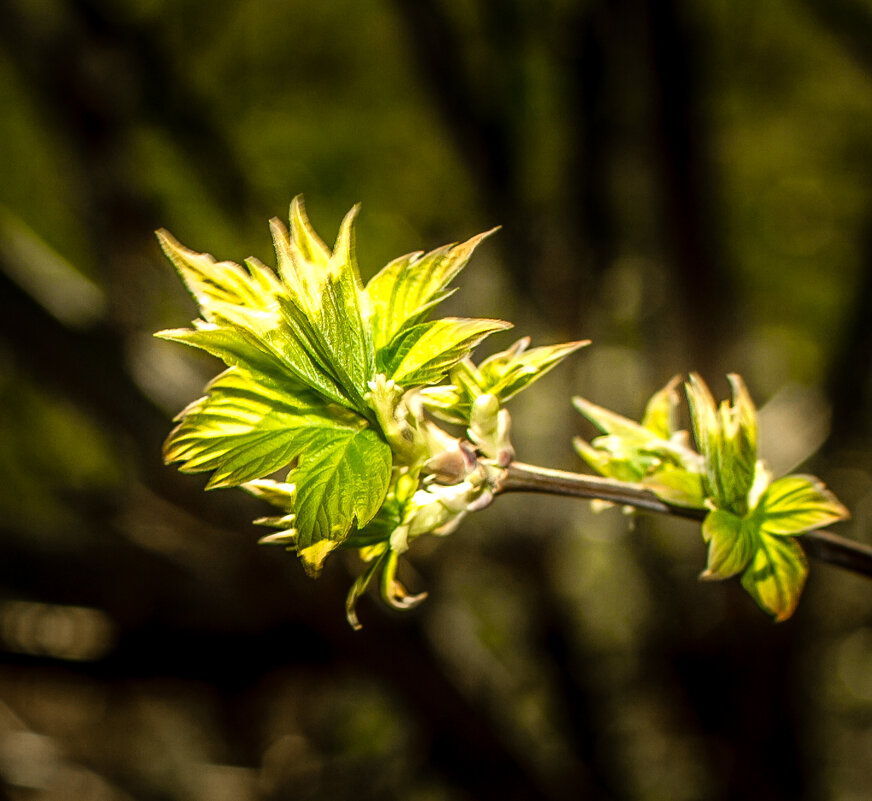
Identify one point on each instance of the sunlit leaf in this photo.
(726, 436)
(392, 590)
(313, 556)
(243, 430)
(739, 422)
(323, 308)
(776, 576)
(732, 542)
(379, 529)
(447, 402)
(244, 325)
(661, 412)
(610, 422)
(211, 281)
(703, 415)
(609, 458)
(506, 374)
(676, 485)
(406, 288)
(797, 503)
(302, 257)
(502, 375)
(239, 348)
(425, 353)
(313, 347)
(345, 308)
(277, 493)
(341, 478)
(629, 451)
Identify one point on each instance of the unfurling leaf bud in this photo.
(453, 464)
(489, 428)
(727, 439)
(400, 426)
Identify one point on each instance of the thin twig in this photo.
(821, 545)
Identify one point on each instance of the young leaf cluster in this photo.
(325, 409)
(752, 521)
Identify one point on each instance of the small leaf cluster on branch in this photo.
(336, 395)
(751, 521)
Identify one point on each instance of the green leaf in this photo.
(447, 403)
(212, 282)
(661, 412)
(608, 456)
(739, 422)
(426, 352)
(610, 422)
(277, 493)
(798, 503)
(313, 556)
(676, 485)
(380, 528)
(236, 348)
(629, 451)
(345, 309)
(406, 288)
(706, 430)
(341, 478)
(245, 326)
(306, 244)
(502, 375)
(315, 348)
(393, 592)
(732, 542)
(505, 374)
(324, 304)
(727, 439)
(244, 430)
(303, 258)
(776, 576)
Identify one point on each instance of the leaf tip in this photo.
(314, 555)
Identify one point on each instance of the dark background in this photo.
(686, 182)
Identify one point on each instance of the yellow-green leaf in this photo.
(727, 439)
(323, 308)
(211, 281)
(237, 348)
(425, 353)
(661, 411)
(341, 479)
(797, 503)
(776, 576)
(732, 542)
(406, 288)
(302, 257)
(610, 422)
(506, 373)
(244, 429)
(676, 485)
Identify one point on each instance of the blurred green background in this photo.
(686, 182)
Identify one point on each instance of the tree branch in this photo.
(821, 545)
